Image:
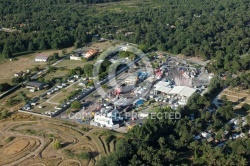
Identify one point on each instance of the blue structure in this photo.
(142, 75)
(139, 102)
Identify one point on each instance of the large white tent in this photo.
(182, 91)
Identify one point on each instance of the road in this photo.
(46, 69)
(97, 87)
(32, 78)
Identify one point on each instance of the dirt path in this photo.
(34, 153)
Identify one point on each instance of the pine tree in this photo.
(7, 51)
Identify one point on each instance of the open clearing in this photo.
(23, 63)
(34, 138)
(70, 64)
(237, 96)
(56, 74)
(102, 45)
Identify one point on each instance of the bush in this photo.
(83, 156)
(4, 114)
(69, 153)
(109, 138)
(4, 87)
(9, 139)
(86, 129)
(56, 145)
(76, 105)
(246, 106)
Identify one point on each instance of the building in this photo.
(83, 83)
(35, 85)
(106, 118)
(21, 73)
(90, 54)
(182, 91)
(162, 87)
(41, 58)
(131, 80)
(75, 57)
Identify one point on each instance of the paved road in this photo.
(97, 87)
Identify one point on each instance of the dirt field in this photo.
(238, 96)
(3, 102)
(102, 45)
(22, 63)
(34, 138)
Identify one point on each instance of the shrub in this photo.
(9, 139)
(56, 145)
(83, 156)
(109, 138)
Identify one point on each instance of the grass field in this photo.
(23, 63)
(31, 140)
(57, 73)
(63, 93)
(45, 107)
(70, 64)
(31, 95)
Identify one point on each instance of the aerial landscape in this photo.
(124, 82)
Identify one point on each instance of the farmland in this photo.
(30, 141)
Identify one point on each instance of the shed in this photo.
(41, 58)
(36, 85)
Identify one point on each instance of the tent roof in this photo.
(182, 90)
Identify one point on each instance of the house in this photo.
(90, 54)
(41, 58)
(83, 83)
(36, 85)
(75, 57)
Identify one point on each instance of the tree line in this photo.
(217, 29)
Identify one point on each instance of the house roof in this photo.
(182, 90)
(160, 84)
(42, 57)
(90, 53)
(163, 89)
(35, 84)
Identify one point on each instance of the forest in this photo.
(217, 30)
(195, 28)
(163, 141)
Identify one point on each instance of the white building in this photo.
(105, 118)
(73, 57)
(41, 58)
(162, 87)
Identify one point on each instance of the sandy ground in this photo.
(34, 139)
(237, 96)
